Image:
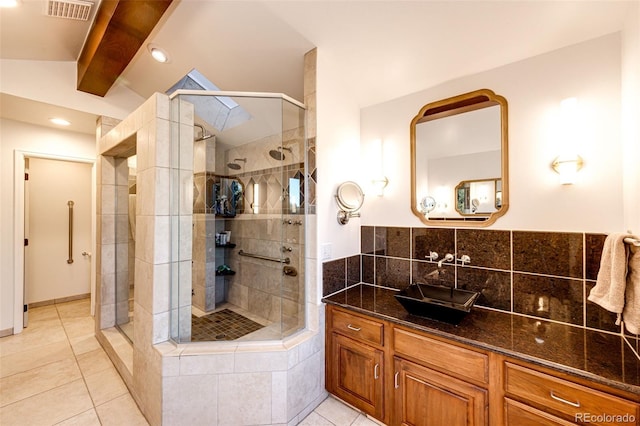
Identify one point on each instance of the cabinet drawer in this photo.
(452, 359)
(571, 399)
(358, 327)
(517, 414)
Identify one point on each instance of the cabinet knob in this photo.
(375, 371)
(395, 380)
(350, 327)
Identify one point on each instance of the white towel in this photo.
(617, 287)
(631, 312)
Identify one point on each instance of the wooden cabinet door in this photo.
(357, 374)
(425, 397)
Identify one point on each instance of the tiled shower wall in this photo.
(542, 274)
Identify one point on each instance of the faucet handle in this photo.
(464, 259)
(432, 256)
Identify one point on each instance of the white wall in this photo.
(54, 82)
(337, 157)
(534, 88)
(630, 121)
(43, 140)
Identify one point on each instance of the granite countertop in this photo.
(597, 356)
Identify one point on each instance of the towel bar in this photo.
(633, 241)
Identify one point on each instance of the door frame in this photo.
(18, 228)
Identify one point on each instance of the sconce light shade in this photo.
(379, 184)
(567, 168)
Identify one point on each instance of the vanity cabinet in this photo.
(403, 376)
(437, 383)
(427, 397)
(355, 361)
(563, 401)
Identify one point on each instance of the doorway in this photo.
(54, 228)
(58, 231)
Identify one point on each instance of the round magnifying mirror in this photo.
(349, 197)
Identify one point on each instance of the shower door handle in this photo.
(70, 259)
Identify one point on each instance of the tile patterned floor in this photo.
(56, 373)
(221, 325)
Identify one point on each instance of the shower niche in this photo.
(217, 201)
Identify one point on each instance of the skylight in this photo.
(220, 112)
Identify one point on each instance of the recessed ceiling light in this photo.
(8, 3)
(60, 121)
(158, 53)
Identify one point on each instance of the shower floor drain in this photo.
(222, 325)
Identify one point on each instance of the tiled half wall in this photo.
(541, 274)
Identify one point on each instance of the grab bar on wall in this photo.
(259, 256)
(70, 259)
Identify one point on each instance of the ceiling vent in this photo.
(69, 9)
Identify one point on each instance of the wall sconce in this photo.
(379, 184)
(567, 168)
(568, 162)
(379, 181)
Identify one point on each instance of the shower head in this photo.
(203, 133)
(234, 165)
(277, 154)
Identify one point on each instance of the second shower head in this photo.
(203, 133)
(234, 165)
(277, 153)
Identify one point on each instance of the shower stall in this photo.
(238, 187)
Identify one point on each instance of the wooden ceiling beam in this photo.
(119, 30)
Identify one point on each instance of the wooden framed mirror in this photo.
(459, 160)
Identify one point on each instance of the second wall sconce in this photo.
(567, 168)
(378, 181)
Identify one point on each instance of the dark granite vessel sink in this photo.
(441, 303)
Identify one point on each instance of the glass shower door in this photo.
(247, 221)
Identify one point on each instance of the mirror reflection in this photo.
(459, 160)
(481, 197)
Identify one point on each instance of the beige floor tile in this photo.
(315, 419)
(40, 379)
(75, 309)
(121, 411)
(336, 412)
(42, 313)
(32, 358)
(88, 418)
(36, 335)
(84, 344)
(363, 420)
(49, 407)
(93, 362)
(79, 327)
(105, 386)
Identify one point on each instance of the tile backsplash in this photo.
(541, 274)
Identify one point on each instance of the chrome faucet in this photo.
(447, 258)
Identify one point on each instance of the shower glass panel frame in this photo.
(238, 230)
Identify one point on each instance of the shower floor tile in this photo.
(221, 325)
